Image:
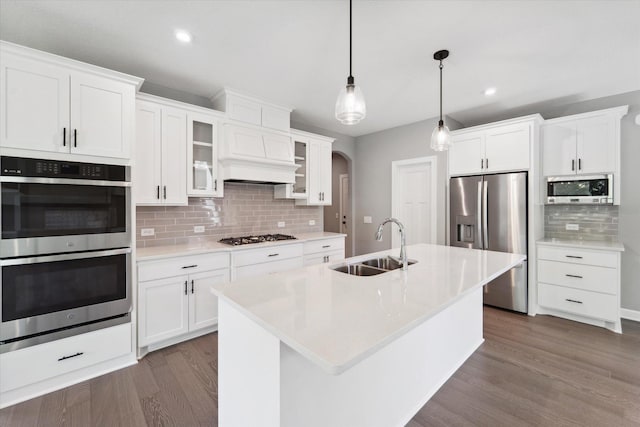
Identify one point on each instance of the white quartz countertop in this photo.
(336, 320)
(206, 246)
(610, 246)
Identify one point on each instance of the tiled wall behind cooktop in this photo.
(596, 222)
(245, 209)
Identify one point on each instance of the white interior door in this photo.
(345, 212)
(414, 199)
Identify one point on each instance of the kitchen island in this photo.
(319, 347)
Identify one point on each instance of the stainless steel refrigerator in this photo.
(490, 212)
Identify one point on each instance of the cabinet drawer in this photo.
(579, 256)
(175, 266)
(33, 364)
(319, 258)
(272, 253)
(268, 267)
(315, 246)
(576, 301)
(587, 277)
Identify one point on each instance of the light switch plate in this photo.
(312, 222)
(367, 220)
(572, 227)
(280, 224)
(198, 228)
(147, 232)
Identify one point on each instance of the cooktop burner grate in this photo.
(247, 240)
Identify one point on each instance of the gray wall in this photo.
(374, 154)
(629, 211)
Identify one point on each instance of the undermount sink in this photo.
(371, 267)
(386, 263)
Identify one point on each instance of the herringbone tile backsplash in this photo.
(245, 209)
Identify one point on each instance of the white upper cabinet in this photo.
(52, 104)
(496, 147)
(585, 144)
(318, 172)
(251, 110)
(161, 164)
(202, 155)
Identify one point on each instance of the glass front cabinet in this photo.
(202, 134)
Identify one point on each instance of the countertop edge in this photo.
(582, 244)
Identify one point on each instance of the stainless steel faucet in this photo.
(403, 240)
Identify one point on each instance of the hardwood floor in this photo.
(540, 371)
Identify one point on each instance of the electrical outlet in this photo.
(147, 232)
(280, 224)
(572, 227)
(198, 228)
(312, 222)
(367, 220)
(337, 215)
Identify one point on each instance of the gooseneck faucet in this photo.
(403, 240)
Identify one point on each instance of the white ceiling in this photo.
(296, 52)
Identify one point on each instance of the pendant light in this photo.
(350, 106)
(440, 138)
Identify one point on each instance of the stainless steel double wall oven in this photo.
(65, 249)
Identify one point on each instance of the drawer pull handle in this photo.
(273, 255)
(573, 300)
(574, 276)
(69, 357)
(326, 246)
(573, 256)
(190, 266)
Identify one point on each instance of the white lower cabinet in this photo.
(34, 364)
(272, 259)
(580, 284)
(323, 251)
(175, 298)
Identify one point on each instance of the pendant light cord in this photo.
(350, 37)
(441, 122)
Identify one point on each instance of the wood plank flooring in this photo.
(540, 371)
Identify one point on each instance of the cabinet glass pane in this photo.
(202, 146)
(300, 187)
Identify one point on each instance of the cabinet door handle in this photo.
(326, 258)
(64, 137)
(75, 137)
(190, 266)
(574, 276)
(191, 285)
(80, 353)
(326, 246)
(481, 163)
(215, 185)
(573, 165)
(573, 256)
(164, 192)
(573, 300)
(185, 286)
(486, 162)
(579, 164)
(158, 192)
(270, 255)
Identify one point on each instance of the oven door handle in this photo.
(63, 257)
(70, 181)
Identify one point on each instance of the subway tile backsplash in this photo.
(596, 222)
(245, 209)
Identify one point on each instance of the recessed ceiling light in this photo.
(490, 91)
(183, 36)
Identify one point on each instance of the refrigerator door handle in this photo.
(479, 215)
(485, 218)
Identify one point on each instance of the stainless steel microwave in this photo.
(580, 189)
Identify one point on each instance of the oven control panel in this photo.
(39, 168)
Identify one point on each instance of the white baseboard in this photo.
(626, 313)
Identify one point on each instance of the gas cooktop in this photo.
(246, 240)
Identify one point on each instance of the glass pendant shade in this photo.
(350, 106)
(440, 138)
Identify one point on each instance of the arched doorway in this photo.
(338, 217)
